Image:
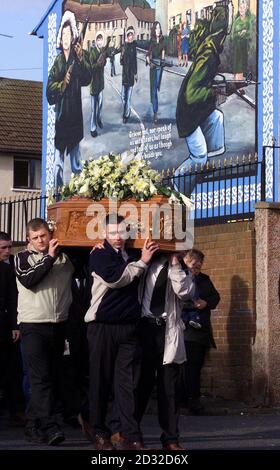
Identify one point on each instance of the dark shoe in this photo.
(155, 118)
(100, 123)
(93, 133)
(172, 446)
(86, 428)
(128, 445)
(102, 443)
(34, 434)
(55, 438)
(125, 119)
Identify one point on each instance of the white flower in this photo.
(187, 201)
(85, 189)
(121, 176)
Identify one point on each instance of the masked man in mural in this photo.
(70, 71)
(198, 120)
(129, 73)
(98, 57)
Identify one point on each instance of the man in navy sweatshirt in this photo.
(113, 335)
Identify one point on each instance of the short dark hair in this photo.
(113, 218)
(195, 254)
(36, 224)
(4, 236)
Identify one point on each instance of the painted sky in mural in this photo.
(175, 83)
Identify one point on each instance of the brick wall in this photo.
(230, 261)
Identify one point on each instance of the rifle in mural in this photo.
(159, 63)
(122, 47)
(103, 56)
(225, 88)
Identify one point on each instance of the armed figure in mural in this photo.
(70, 71)
(198, 120)
(98, 56)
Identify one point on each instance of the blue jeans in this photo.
(155, 90)
(208, 139)
(59, 164)
(126, 99)
(96, 108)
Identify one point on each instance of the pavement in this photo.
(226, 425)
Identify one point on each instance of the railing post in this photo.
(263, 175)
(9, 221)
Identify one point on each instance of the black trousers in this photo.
(11, 373)
(43, 345)
(114, 353)
(195, 359)
(167, 380)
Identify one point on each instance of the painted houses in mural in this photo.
(173, 81)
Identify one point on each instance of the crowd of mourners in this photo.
(89, 336)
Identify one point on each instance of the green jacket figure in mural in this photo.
(98, 55)
(70, 71)
(198, 120)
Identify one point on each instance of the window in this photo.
(189, 17)
(208, 12)
(178, 19)
(27, 173)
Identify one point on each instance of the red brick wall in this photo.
(230, 261)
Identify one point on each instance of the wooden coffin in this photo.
(77, 220)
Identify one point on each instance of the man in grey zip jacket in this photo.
(44, 297)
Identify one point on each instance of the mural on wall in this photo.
(173, 81)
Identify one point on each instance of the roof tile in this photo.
(20, 115)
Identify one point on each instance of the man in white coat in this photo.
(165, 286)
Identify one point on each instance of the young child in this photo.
(190, 314)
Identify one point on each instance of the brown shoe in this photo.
(128, 445)
(172, 446)
(116, 440)
(86, 428)
(102, 443)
